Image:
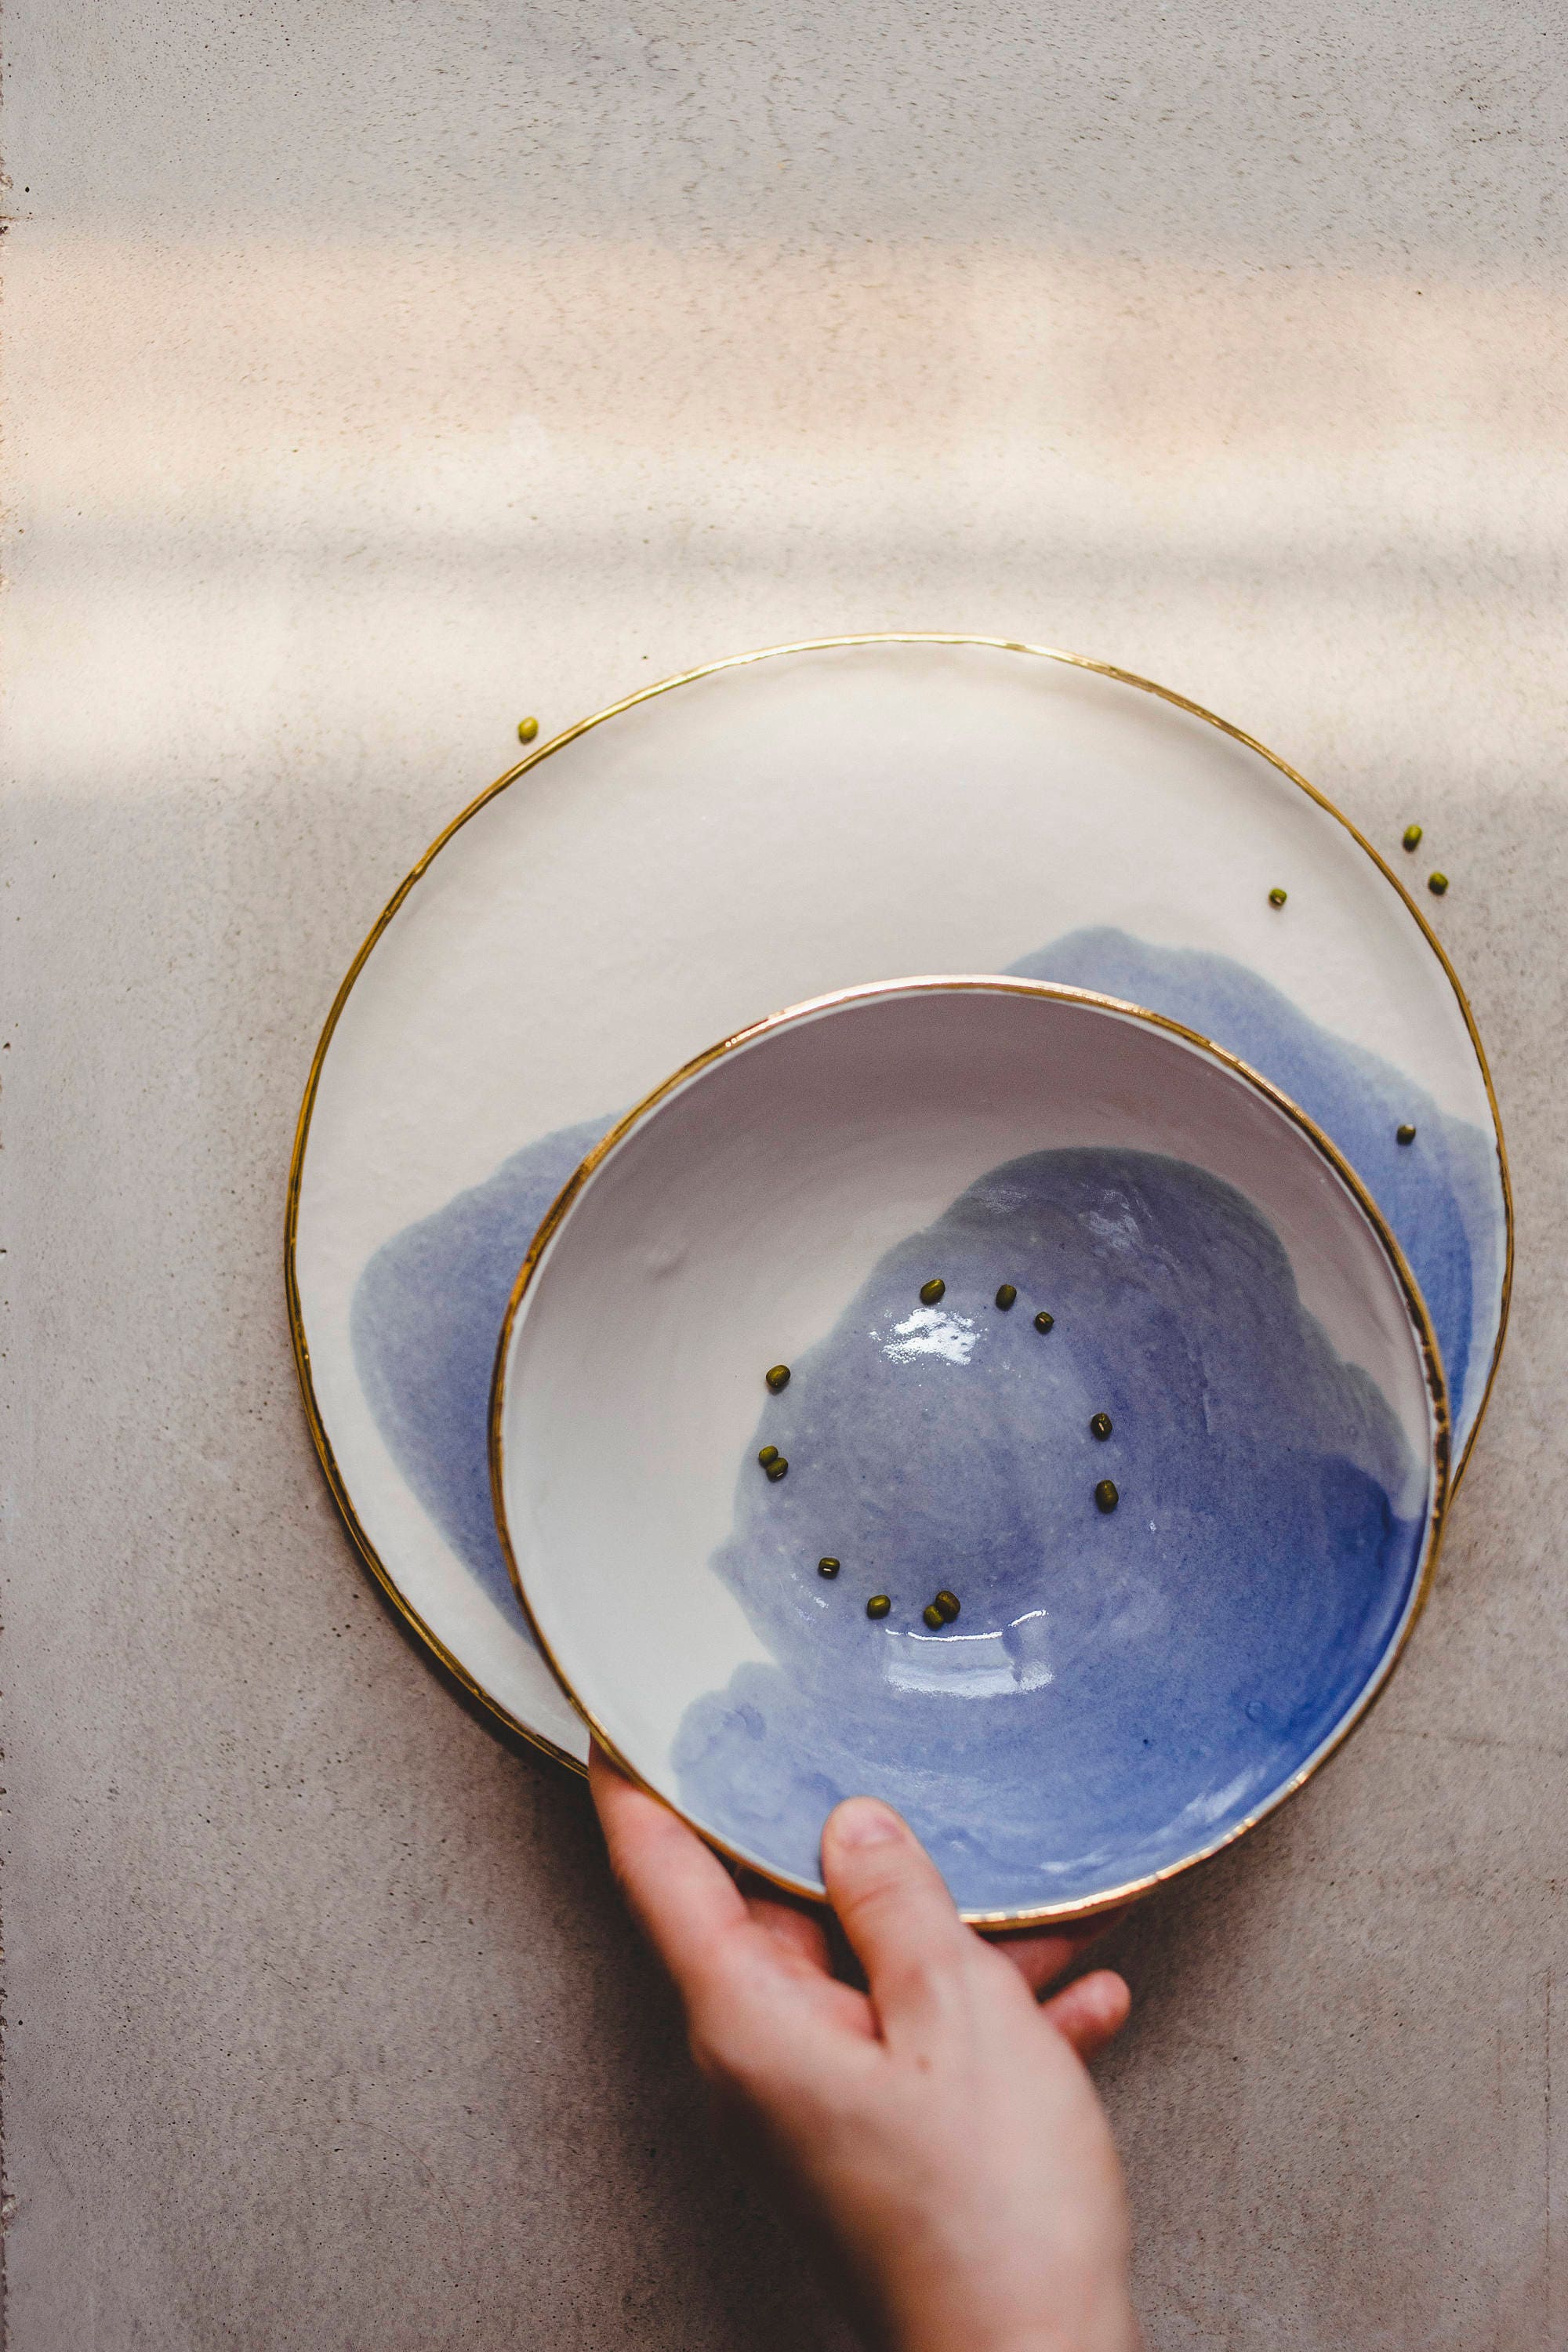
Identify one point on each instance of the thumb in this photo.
(894, 1907)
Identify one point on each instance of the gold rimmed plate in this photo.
(767, 830)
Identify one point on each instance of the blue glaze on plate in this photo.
(426, 1314)
(1120, 1690)
(429, 1304)
(1442, 1194)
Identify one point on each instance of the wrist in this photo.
(1115, 2332)
(1113, 2329)
(1107, 2332)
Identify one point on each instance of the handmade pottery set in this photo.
(1028, 1391)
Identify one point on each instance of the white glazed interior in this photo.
(733, 1221)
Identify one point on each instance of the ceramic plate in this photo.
(761, 833)
(1085, 1574)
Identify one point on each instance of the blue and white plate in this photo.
(982, 1396)
(761, 833)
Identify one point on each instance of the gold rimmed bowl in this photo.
(985, 1394)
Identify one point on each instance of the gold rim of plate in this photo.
(322, 1443)
(1415, 1307)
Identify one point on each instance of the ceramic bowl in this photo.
(1187, 1487)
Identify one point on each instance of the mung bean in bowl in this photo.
(985, 1395)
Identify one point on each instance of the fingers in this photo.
(888, 1895)
(1091, 2011)
(798, 1934)
(893, 1905)
(742, 1964)
(1040, 1959)
(677, 1889)
(801, 1957)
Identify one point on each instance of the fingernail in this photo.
(865, 1820)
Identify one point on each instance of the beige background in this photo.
(375, 373)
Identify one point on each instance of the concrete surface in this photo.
(373, 375)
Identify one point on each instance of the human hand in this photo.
(939, 2130)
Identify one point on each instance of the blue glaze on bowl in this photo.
(1120, 1690)
(428, 1305)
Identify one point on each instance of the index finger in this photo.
(1041, 1954)
(677, 1889)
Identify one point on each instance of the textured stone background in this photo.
(377, 372)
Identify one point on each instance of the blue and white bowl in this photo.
(1162, 1629)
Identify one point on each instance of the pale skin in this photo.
(938, 2130)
